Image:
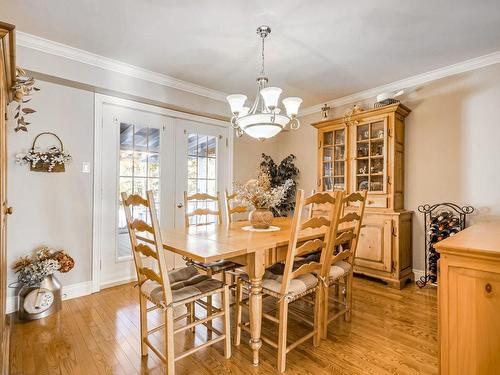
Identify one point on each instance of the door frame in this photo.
(100, 100)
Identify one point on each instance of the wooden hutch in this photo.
(366, 152)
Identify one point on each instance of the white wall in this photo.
(56, 209)
(452, 147)
(53, 209)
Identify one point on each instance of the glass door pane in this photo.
(370, 156)
(202, 174)
(339, 159)
(333, 163)
(139, 160)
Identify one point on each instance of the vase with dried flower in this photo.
(40, 293)
(259, 194)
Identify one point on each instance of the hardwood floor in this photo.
(392, 332)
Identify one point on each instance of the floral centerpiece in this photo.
(259, 194)
(32, 270)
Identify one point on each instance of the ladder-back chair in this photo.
(233, 209)
(167, 290)
(211, 268)
(288, 283)
(342, 263)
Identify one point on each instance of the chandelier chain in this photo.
(262, 67)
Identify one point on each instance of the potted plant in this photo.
(259, 194)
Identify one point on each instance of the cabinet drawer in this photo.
(379, 201)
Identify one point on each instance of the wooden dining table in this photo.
(253, 250)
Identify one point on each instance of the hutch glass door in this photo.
(371, 145)
(334, 156)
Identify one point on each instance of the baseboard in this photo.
(68, 292)
(418, 274)
(110, 284)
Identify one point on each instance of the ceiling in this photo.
(318, 50)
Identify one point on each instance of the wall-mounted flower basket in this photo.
(51, 160)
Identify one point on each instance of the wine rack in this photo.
(441, 220)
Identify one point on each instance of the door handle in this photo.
(179, 205)
(9, 211)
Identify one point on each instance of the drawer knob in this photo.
(488, 288)
(371, 202)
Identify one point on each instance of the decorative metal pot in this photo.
(260, 218)
(41, 301)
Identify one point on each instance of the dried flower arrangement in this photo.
(22, 90)
(32, 270)
(259, 193)
(51, 160)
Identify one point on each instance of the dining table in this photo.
(254, 250)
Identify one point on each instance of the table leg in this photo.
(256, 268)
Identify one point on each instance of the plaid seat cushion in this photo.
(215, 267)
(273, 276)
(184, 284)
(338, 270)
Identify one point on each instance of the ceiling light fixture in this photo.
(264, 120)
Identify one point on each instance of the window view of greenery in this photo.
(139, 168)
(202, 173)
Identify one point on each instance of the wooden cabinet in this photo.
(469, 301)
(7, 77)
(366, 152)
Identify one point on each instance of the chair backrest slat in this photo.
(230, 209)
(306, 268)
(315, 222)
(201, 211)
(324, 245)
(309, 246)
(320, 203)
(136, 200)
(151, 275)
(146, 250)
(157, 255)
(141, 226)
(347, 241)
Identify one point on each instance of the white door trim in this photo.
(99, 101)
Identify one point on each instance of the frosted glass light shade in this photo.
(271, 96)
(236, 101)
(260, 125)
(292, 105)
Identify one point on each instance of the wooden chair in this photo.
(288, 283)
(233, 209)
(211, 268)
(167, 290)
(340, 272)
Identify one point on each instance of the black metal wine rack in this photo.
(441, 220)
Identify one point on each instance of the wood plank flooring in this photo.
(392, 332)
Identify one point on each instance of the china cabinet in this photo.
(366, 152)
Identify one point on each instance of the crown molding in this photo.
(68, 52)
(417, 80)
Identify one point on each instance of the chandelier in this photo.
(264, 119)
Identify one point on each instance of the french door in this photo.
(145, 150)
(201, 167)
